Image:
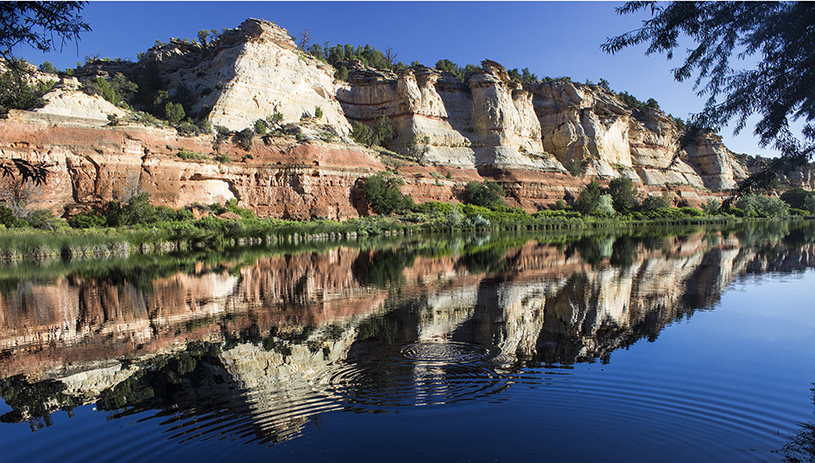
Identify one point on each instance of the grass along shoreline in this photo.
(212, 233)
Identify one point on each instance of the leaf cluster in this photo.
(778, 88)
(382, 192)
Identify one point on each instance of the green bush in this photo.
(118, 90)
(87, 220)
(15, 93)
(488, 194)
(187, 155)
(244, 138)
(623, 194)
(318, 112)
(381, 191)
(260, 127)
(800, 199)
(589, 198)
(652, 203)
(605, 206)
(763, 206)
(381, 133)
(711, 206)
(174, 112)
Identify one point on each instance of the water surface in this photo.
(652, 345)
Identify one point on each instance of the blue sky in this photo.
(550, 38)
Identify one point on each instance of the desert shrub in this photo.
(711, 206)
(88, 219)
(589, 198)
(16, 93)
(244, 138)
(318, 112)
(381, 133)
(605, 205)
(416, 149)
(574, 168)
(382, 193)
(797, 198)
(118, 90)
(762, 206)
(623, 194)
(205, 126)
(652, 203)
(43, 219)
(260, 127)
(187, 155)
(488, 194)
(174, 112)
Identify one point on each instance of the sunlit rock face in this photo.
(581, 124)
(486, 121)
(488, 127)
(254, 71)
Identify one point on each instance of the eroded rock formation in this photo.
(487, 125)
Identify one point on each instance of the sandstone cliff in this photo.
(485, 126)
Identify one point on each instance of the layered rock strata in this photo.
(486, 126)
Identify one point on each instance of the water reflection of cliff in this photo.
(262, 346)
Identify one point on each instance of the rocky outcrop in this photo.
(486, 126)
(251, 73)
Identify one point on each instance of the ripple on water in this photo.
(417, 374)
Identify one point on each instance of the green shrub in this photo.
(244, 138)
(763, 206)
(43, 219)
(381, 191)
(488, 194)
(318, 112)
(260, 127)
(232, 206)
(205, 126)
(574, 168)
(174, 112)
(118, 90)
(15, 93)
(798, 198)
(417, 150)
(623, 193)
(589, 198)
(187, 155)
(87, 220)
(652, 203)
(711, 206)
(381, 133)
(605, 205)
(9, 220)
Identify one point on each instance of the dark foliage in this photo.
(589, 198)
(778, 89)
(38, 24)
(488, 194)
(460, 73)
(382, 193)
(17, 93)
(623, 194)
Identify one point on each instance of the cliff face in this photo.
(488, 125)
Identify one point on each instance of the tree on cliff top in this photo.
(778, 89)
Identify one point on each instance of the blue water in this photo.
(731, 382)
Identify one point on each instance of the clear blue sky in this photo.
(550, 38)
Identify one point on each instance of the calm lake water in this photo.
(682, 344)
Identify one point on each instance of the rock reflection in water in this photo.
(258, 350)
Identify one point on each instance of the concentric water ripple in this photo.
(416, 374)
